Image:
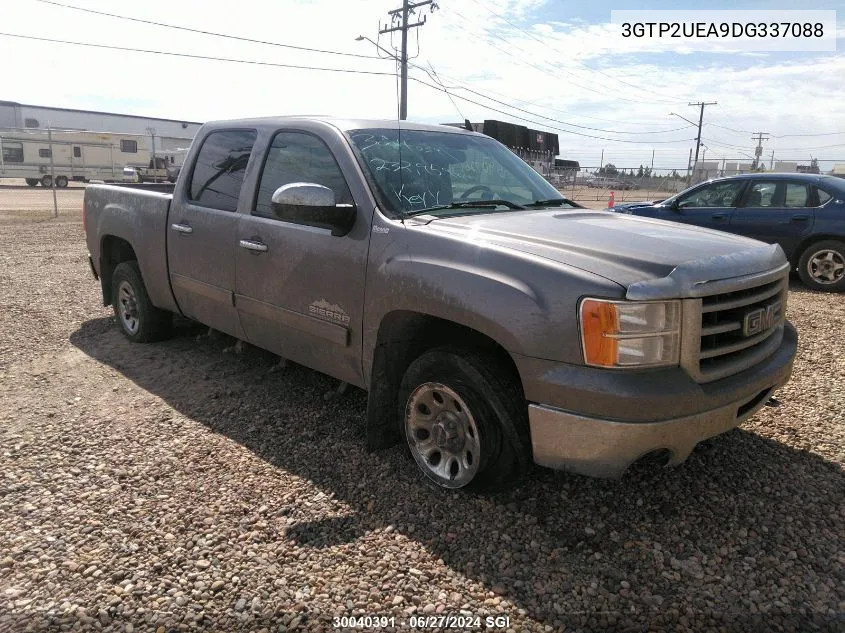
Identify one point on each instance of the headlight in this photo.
(630, 334)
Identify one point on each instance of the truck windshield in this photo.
(416, 170)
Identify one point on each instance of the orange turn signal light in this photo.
(599, 321)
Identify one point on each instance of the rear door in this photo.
(776, 211)
(202, 227)
(300, 290)
(710, 205)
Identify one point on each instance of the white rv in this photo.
(83, 156)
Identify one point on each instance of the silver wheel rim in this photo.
(442, 435)
(128, 307)
(826, 266)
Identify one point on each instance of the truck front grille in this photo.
(739, 329)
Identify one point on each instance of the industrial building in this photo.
(170, 134)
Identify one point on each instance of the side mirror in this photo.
(313, 205)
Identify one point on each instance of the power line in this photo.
(191, 56)
(585, 127)
(585, 66)
(615, 140)
(436, 79)
(731, 129)
(202, 32)
(557, 71)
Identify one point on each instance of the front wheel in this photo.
(139, 320)
(464, 418)
(822, 266)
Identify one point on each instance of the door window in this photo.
(77, 152)
(718, 194)
(797, 195)
(762, 195)
(299, 157)
(219, 170)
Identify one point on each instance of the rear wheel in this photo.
(464, 418)
(32, 181)
(47, 181)
(139, 320)
(61, 182)
(822, 266)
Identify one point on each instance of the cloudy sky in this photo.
(557, 65)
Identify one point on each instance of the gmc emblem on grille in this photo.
(761, 319)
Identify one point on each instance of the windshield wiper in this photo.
(552, 202)
(466, 204)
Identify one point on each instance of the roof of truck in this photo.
(343, 124)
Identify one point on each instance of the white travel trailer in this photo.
(83, 156)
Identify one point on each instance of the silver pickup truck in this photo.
(492, 321)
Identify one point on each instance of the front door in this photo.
(776, 211)
(299, 290)
(710, 205)
(201, 231)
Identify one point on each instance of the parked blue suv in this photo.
(804, 213)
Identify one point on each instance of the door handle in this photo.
(800, 218)
(720, 217)
(181, 228)
(252, 245)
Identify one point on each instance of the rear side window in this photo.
(797, 195)
(219, 170)
(823, 196)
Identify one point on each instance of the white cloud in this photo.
(571, 71)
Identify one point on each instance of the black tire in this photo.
(493, 399)
(138, 319)
(32, 182)
(47, 181)
(827, 277)
(61, 182)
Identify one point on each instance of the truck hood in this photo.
(651, 258)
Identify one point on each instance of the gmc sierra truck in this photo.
(492, 321)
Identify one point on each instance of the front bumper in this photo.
(584, 440)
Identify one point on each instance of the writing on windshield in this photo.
(415, 169)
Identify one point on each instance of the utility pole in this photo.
(772, 161)
(52, 170)
(758, 151)
(401, 16)
(152, 132)
(701, 105)
(689, 164)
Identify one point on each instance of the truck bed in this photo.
(119, 217)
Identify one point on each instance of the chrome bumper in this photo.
(605, 448)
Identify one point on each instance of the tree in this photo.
(609, 170)
(640, 172)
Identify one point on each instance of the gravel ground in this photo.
(181, 487)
